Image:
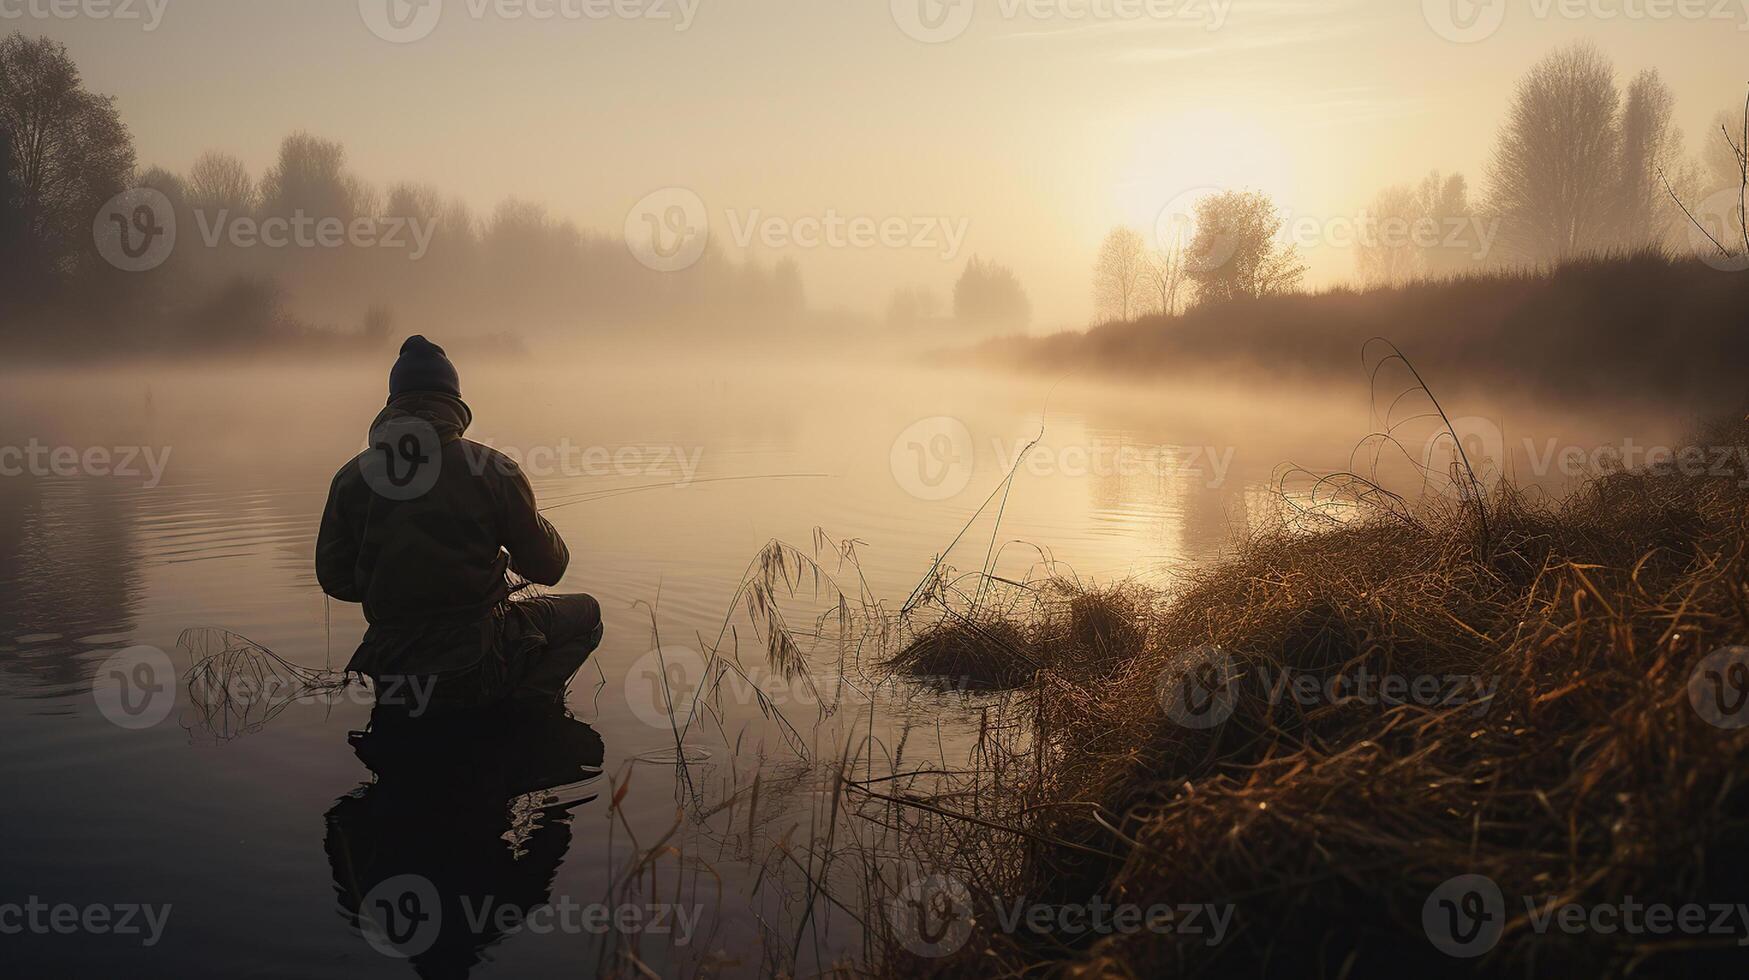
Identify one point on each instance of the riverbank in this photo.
(1469, 736)
(1642, 328)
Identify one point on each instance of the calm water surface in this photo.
(667, 479)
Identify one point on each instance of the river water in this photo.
(257, 841)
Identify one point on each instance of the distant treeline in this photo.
(1629, 329)
(306, 253)
(1580, 168)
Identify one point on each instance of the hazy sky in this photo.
(1037, 125)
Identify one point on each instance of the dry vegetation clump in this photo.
(1017, 629)
(1555, 748)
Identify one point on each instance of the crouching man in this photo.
(425, 529)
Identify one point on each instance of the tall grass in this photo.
(1576, 769)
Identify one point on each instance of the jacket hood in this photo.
(449, 415)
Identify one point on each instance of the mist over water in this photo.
(666, 476)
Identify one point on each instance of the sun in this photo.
(1179, 159)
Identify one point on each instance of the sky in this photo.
(1017, 130)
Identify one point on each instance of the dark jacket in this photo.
(421, 528)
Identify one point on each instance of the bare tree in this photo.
(1234, 252)
(1387, 255)
(1719, 157)
(1117, 274)
(1730, 243)
(1649, 142)
(1163, 274)
(1556, 162)
(219, 182)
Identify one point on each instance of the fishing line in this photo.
(606, 492)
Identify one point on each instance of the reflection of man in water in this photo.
(422, 528)
(458, 839)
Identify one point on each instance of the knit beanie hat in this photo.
(423, 366)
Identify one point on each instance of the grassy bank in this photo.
(1192, 747)
(1643, 328)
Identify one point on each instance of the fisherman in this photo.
(427, 530)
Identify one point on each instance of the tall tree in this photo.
(1387, 254)
(1649, 143)
(1117, 274)
(1555, 166)
(69, 154)
(219, 182)
(309, 177)
(988, 294)
(1163, 274)
(1443, 202)
(1234, 252)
